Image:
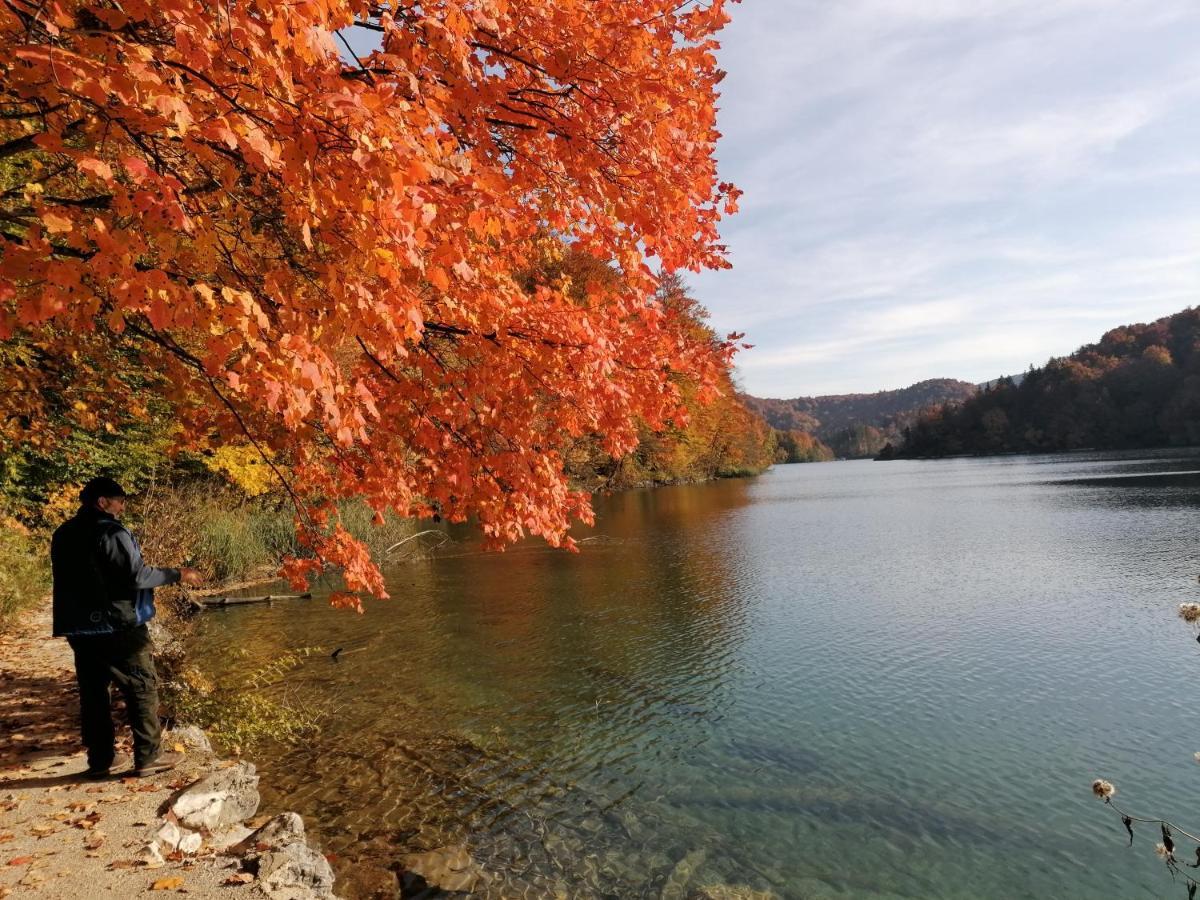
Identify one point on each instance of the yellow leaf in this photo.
(173, 883)
(56, 224)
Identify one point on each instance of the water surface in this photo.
(851, 679)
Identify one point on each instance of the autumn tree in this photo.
(327, 255)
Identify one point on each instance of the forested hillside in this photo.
(853, 425)
(1139, 386)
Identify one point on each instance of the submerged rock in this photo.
(221, 798)
(369, 882)
(447, 868)
(681, 875)
(730, 892)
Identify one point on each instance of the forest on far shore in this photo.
(1137, 387)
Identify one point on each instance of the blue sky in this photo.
(952, 188)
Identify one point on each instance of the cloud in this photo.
(942, 187)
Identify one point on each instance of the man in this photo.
(103, 598)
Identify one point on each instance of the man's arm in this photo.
(124, 559)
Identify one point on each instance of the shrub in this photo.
(24, 569)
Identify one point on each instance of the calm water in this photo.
(844, 680)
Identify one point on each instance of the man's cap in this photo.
(100, 487)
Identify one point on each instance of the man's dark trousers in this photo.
(122, 658)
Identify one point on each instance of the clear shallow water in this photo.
(841, 680)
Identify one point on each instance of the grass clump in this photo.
(245, 710)
(24, 570)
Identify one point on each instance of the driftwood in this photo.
(401, 543)
(235, 601)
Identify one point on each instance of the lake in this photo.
(853, 679)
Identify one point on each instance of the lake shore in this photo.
(193, 830)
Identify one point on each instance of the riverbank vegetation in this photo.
(225, 509)
(1137, 387)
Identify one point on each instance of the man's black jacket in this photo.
(101, 584)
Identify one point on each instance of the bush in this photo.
(24, 570)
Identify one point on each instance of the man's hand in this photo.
(190, 577)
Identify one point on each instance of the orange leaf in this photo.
(438, 278)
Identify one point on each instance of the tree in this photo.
(329, 256)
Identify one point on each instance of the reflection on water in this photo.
(843, 680)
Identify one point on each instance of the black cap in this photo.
(100, 487)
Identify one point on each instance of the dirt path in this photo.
(65, 837)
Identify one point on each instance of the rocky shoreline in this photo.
(194, 830)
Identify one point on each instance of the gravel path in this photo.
(65, 837)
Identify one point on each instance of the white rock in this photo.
(224, 797)
(230, 838)
(190, 842)
(190, 736)
(279, 831)
(168, 836)
(296, 872)
(151, 857)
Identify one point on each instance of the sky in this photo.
(952, 188)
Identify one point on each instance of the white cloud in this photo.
(941, 187)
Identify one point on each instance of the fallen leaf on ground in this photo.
(95, 839)
(20, 860)
(174, 883)
(124, 864)
(6, 837)
(239, 878)
(179, 748)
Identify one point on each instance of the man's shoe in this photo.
(163, 761)
(120, 762)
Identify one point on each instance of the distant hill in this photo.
(1138, 386)
(856, 425)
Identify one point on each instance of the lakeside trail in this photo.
(62, 836)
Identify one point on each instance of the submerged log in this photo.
(234, 601)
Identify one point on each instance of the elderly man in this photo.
(103, 598)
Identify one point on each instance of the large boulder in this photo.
(277, 832)
(223, 797)
(287, 868)
(294, 872)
